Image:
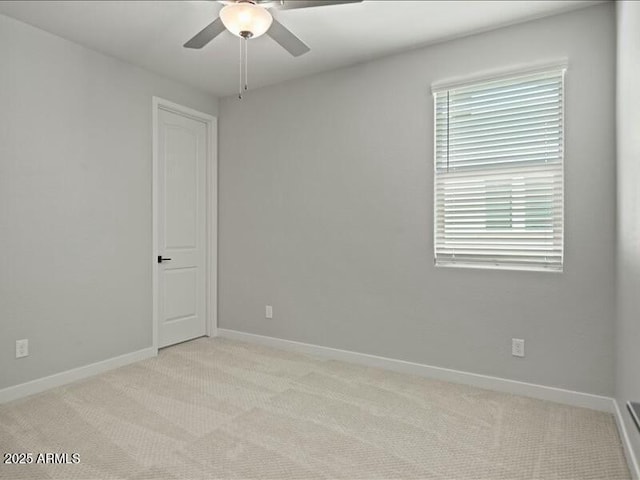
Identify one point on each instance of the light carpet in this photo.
(216, 408)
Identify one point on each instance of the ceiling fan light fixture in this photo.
(246, 19)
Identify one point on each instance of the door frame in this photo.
(211, 228)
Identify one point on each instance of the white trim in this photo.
(434, 173)
(182, 110)
(553, 394)
(36, 386)
(632, 460)
(564, 164)
(212, 212)
(212, 229)
(497, 74)
(154, 223)
(497, 266)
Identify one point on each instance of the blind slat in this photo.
(524, 125)
(518, 133)
(544, 101)
(548, 88)
(515, 141)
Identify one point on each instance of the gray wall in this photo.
(75, 201)
(326, 213)
(628, 125)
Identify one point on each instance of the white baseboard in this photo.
(632, 461)
(36, 386)
(559, 395)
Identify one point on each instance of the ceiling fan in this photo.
(250, 19)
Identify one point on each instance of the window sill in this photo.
(521, 268)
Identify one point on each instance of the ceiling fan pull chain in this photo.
(240, 83)
(246, 64)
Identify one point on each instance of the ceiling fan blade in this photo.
(207, 34)
(287, 39)
(291, 4)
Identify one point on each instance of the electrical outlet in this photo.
(517, 347)
(268, 311)
(22, 348)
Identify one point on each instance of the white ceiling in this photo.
(151, 33)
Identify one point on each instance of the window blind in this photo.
(499, 151)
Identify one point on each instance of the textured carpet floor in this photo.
(215, 408)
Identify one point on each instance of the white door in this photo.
(182, 227)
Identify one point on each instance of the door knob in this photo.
(162, 259)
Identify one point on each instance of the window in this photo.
(499, 151)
